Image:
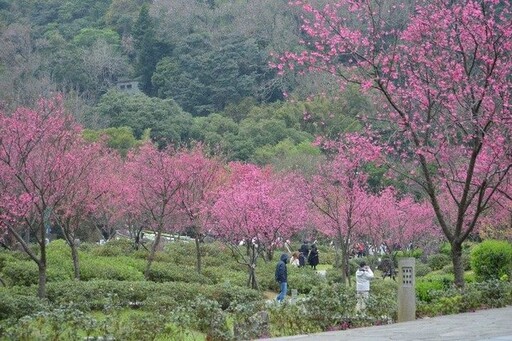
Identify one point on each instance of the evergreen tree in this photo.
(149, 50)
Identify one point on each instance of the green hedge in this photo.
(14, 306)
(95, 294)
(422, 269)
(304, 280)
(431, 283)
(483, 295)
(492, 259)
(162, 272)
(438, 261)
(108, 269)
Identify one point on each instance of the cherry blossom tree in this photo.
(202, 176)
(441, 81)
(254, 210)
(36, 156)
(497, 222)
(114, 202)
(83, 165)
(339, 192)
(397, 222)
(156, 177)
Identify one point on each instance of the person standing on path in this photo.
(282, 277)
(363, 277)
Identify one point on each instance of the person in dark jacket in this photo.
(304, 248)
(302, 259)
(282, 277)
(313, 257)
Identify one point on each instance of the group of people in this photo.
(305, 254)
(298, 259)
(364, 274)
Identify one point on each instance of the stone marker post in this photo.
(294, 295)
(406, 289)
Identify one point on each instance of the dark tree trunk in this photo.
(198, 253)
(252, 282)
(458, 266)
(76, 261)
(41, 291)
(152, 253)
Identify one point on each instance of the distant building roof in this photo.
(130, 86)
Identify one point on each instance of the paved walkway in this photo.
(491, 324)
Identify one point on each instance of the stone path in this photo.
(482, 325)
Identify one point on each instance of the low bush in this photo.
(491, 260)
(20, 272)
(94, 295)
(438, 261)
(181, 253)
(333, 275)
(69, 323)
(207, 316)
(448, 269)
(492, 294)
(14, 306)
(327, 256)
(429, 284)
(239, 278)
(440, 305)
(332, 307)
(291, 319)
(304, 280)
(213, 274)
(422, 269)
(108, 268)
(5, 258)
(164, 272)
(415, 253)
(117, 247)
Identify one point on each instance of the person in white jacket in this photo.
(363, 277)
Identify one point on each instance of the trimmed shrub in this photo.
(304, 280)
(96, 294)
(108, 269)
(492, 294)
(23, 273)
(14, 305)
(492, 259)
(438, 261)
(181, 253)
(382, 306)
(446, 249)
(239, 278)
(333, 275)
(118, 247)
(327, 256)
(162, 272)
(429, 284)
(422, 269)
(330, 305)
(447, 269)
(291, 319)
(5, 258)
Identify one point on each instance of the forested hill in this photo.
(202, 67)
